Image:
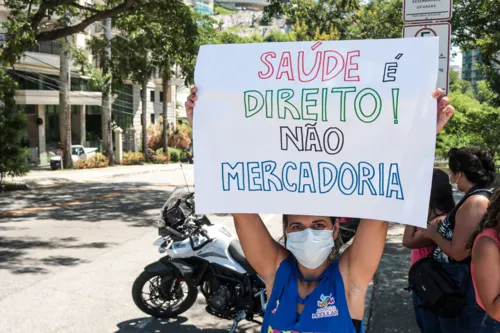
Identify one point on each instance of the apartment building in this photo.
(37, 74)
(470, 72)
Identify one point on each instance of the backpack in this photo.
(437, 292)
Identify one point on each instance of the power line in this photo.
(54, 87)
(82, 77)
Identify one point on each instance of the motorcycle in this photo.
(200, 257)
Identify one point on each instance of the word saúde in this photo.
(328, 64)
(362, 178)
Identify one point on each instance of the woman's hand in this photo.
(431, 231)
(190, 105)
(444, 110)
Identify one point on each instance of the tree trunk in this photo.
(64, 106)
(165, 113)
(145, 120)
(106, 97)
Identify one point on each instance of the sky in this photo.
(457, 60)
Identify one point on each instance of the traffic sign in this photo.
(443, 31)
(426, 10)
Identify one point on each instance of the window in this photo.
(152, 118)
(152, 95)
(161, 96)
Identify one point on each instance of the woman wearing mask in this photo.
(485, 243)
(472, 171)
(440, 204)
(310, 290)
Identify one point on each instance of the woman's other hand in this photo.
(444, 110)
(190, 105)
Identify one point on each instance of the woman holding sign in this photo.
(310, 289)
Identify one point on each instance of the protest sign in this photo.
(337, 128)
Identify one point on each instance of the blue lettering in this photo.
(269, 177)
(327, 173)
(394, 182)
(366, 174)
(235, 172)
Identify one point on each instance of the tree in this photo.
(175, 45)
(475, 122)
(12, 122)
(476, 25)
(31, 21)
(377, 19)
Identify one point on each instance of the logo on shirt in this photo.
(326, 307)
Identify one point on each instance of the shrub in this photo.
(133, 158)
(179, 139)
(159, 158)
(155, 136)
(184, 156)
(97, 160)
(175, 154)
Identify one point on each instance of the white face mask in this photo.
(310, 247)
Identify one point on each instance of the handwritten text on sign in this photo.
(328, 128)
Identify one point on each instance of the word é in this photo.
(328, 64)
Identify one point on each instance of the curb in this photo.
(9, 187)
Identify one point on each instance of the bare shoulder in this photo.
(484, 247)
(475, 202)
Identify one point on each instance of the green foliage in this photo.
(131, 158)
(175, 154)
(377, 19)
(27, 21)
(218, 10)
(12, 123)
(476, 25)
(98, 160)
(178, 155)
(476, 122)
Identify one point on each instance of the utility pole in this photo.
(165, 111)
(64, 106)
(106, 95)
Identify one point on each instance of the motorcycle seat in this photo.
(236, 252)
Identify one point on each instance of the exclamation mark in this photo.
(395, 103)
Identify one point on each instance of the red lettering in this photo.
(330, 74)
(313, 73)
(285, 67)
(269, 65)
(351, 66)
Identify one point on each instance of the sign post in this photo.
(429, 18)
(443, 31)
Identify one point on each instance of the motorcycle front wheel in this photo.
(163, 296)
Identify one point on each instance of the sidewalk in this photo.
(391, 307)
(49, 178)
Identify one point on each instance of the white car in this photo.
(78, 152)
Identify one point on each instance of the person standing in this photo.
(472, 171)
(485, 267)
(440, 204)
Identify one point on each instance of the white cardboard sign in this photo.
(427, 10)
(443, 31)
(340, 128)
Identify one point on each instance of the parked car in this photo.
(78, 152)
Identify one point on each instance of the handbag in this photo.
(437, 292)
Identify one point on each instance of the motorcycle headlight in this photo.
(161, 223)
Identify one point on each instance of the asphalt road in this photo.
(69, 256)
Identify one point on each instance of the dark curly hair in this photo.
(477, 164)
(491, 219)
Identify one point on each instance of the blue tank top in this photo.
(325, 309)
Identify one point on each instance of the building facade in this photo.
(37, 75)
(470, 72)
